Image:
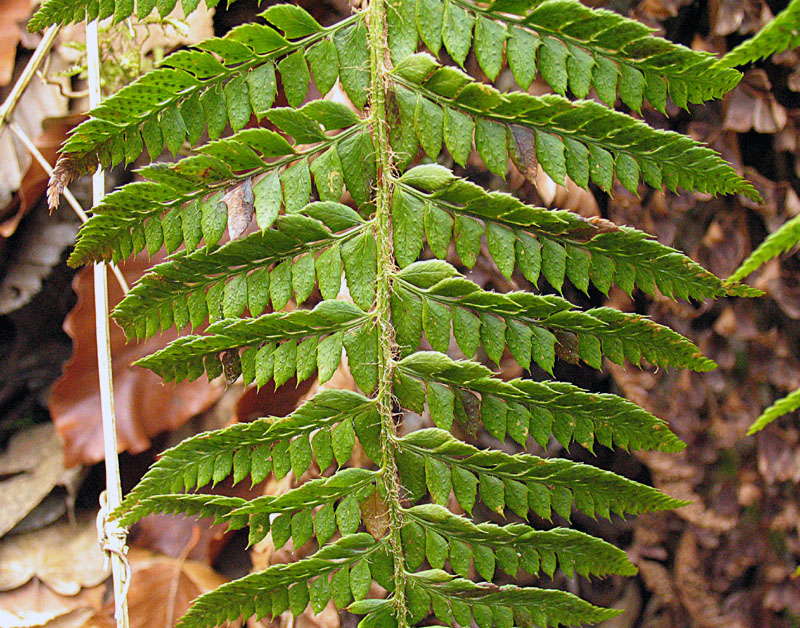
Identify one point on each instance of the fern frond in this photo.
(223, 83)
(787, 404)
(780, 34)
(578, 139)
(217, 507)
(505, 606)
(647, 67)
(333, 197)
(238, 275)
(432, 460)
(281, 587)
(64, 12)
(520, 320)
(549, 243)
(444, 535)
(784, 239)
(522, 408)
(295, 509)
(181, 203)
(301, 352)
(258, 448)
(575, 47)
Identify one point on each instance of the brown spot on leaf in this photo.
(523, 151)
(241, 205)
(376, 515)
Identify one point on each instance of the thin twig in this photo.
(17, 130)
(116, 536)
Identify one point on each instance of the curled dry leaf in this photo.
(752, 105)
(778, 456)
(240, 203)
(656, 10)
(33, 464)
(64, 556)
(695, 591)
(782, 285)
(145, 406)
(190, 537)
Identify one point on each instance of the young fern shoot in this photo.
(343, 193)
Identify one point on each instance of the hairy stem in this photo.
(379, 82)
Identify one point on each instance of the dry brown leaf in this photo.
(631, 603)
(34, 460)
(752, 105)
(162, 588)
(196, 539)
(695, 592)
(39, 102)
(39, 248)
(778, 456)
(36, 605)
(656, 10)
(64, 556)
(145, 406)
(782, 285)
(34, 182)
(12, 14)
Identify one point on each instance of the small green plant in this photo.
(338, 193)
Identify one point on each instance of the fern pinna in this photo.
(342, 192)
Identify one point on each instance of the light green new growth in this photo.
(352, 251)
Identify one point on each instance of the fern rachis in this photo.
(430, 559)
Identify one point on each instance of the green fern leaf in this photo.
(780, 34)
(193, 463)
(519, 316)
(550, 482)
(217, 507)
(63, 12)
(168, 285)
(575, 551)
(186, 189)
(571, 134)
(777, 243)
(189, 356)
(508, 605)
(604, 49)
(341, 216)
(192, 90)
(619, 254)
(556, 407)
(267, 593)
(787, 404)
